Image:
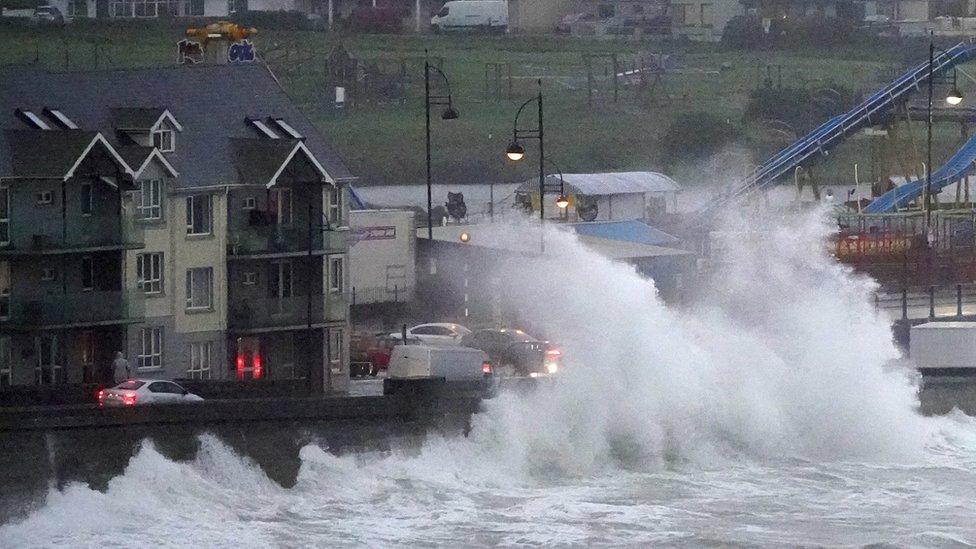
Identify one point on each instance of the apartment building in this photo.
(217, 225)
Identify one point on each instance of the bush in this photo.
(697, 135)
(799, 107)
(746, 32)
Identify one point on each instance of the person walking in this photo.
(120, 368)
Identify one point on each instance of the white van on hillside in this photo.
(485, 15)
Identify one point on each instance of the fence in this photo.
(953, 300)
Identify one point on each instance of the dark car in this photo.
(515, 349)
(46, 14)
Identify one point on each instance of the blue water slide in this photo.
(833, 131)
(959, 166)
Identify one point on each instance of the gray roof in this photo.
(42, 154)
(594, 184)
(210, 102)
(135, 118)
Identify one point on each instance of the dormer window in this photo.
(164, 139)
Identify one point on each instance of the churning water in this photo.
(766, 412)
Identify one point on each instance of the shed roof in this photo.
(595, 184)
(635, 231)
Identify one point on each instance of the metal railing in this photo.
(79, 232)
(275, 312)
(270, 239)
(943, 301)
(395, 294)
(72, 309)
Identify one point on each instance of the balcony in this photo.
(269, 314)
(273, 240)
(81, 234)
(72, 310)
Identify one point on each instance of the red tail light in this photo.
(553, 353)
(486, 368)
(129, 399)
(256, 362)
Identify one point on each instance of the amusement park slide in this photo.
(835, 130)
(960, 165)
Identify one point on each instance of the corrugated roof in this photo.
(210, 102)
(635, 231)
(593, 184)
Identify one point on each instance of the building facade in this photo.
(191, 218)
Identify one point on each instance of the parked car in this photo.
(515, 350)
(47, 15)
(429, 367)
(438, 333)
(140, 392)
(370, 354)
(486, 15)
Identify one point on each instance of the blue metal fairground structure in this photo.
(835, 130)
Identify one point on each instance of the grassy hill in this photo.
(382, 136)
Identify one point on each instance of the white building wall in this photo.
(382, 255)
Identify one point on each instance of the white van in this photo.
(486, 15)
(455, 367)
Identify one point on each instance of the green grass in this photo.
(384, 143)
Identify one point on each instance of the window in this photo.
(250, 278)
(48, 368)
(281, 205)
(279, 279)
(706, 15)
(335, 350)
(44, 197)
(250, 203)
(151, 352)
(679, 14)
(335, 274)
(77, 8)
(605, 11)
(149, 272)
(87, 357)
(164, 139)
(149, 199)
(200, 355)
(4, 215)
(199, 288)
(335, 207)
(234, 6)
(48, 274)
(87, 199)
(87, 273)
(199, 214)
(4, 290)
(6, 364)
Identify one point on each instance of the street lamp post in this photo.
(449, 114)
(516, 152)
(562, 202)
(953, 98)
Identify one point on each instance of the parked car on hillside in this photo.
(47, 15)
(437, 333)
(140, 392)
(515, 350)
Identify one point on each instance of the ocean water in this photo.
(772, 410)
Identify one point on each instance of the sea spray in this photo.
(780, 355)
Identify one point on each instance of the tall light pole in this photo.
(953, 98)
(448, 114)
(516, 152)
